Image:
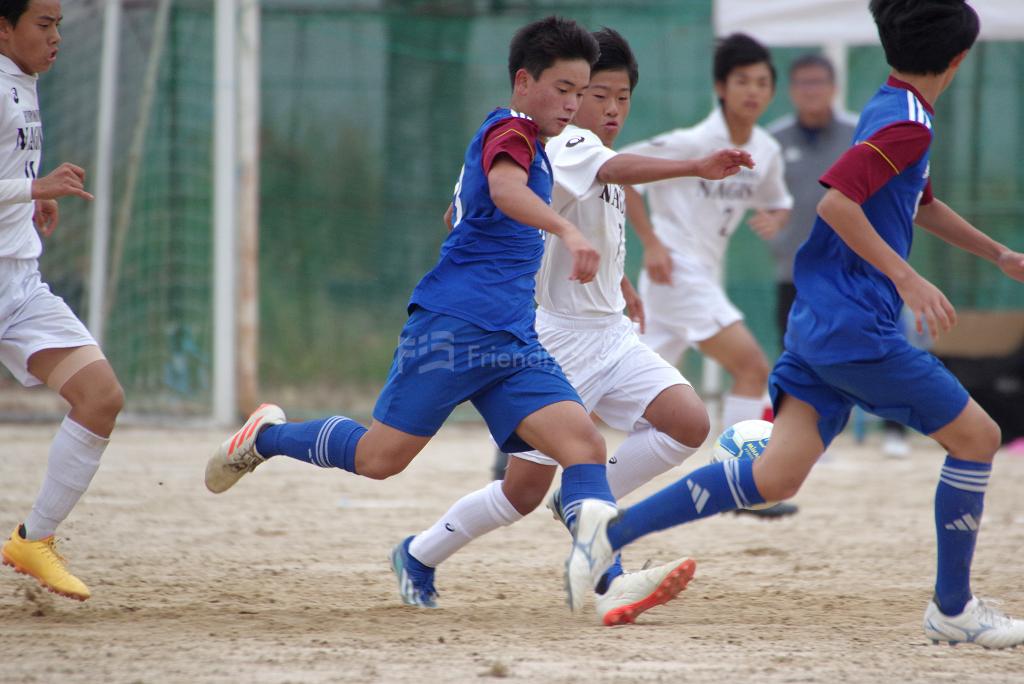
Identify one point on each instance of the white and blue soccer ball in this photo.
(746, 439)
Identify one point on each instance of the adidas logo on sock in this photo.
(965, 523)
(699, 495)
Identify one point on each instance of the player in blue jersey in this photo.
(470, 333)
(844, 345)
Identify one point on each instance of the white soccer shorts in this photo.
(616, 375)
(32, 318)
(692, 309)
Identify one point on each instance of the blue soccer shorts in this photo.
(908, 385)
(442, 361)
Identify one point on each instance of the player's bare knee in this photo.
(525, 496)
(693, 430)
(989, 439)
(379, 469)
(779, 487)
(103, 401)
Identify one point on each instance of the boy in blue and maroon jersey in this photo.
(470, 334)
(844, 344)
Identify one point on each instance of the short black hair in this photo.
(11, 10)
(537, 46)
(923, 36)
(813, 59)
(616, 55)
(739, 50)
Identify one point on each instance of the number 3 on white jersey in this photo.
(457, 210)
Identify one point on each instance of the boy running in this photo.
(470, 334)
(844, 343)
(41, 339)
(619, 378)
(691, 222)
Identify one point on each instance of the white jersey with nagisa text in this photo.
(21, 142)
(598, 210)
(695, 217)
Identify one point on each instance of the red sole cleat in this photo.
(673, 585)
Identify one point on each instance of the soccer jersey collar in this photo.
(897, 83)
(8, 66)
(714, 125)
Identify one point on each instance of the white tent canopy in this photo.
(846, 22)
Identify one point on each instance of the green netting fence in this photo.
(366, 109)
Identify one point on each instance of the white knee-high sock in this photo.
(736, 409)
(472, 516)
(74, 458)
(644, 455)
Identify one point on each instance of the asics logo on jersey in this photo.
(574, 141)
(449, 527)
(14, 95)
(613, 460)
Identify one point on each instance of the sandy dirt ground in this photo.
(285, 578)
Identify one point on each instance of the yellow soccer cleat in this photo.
(40, 559)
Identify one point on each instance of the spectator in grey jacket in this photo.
(813, 137)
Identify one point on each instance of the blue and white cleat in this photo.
(415, 587)
(553, 503)
(591, 553)
(979, 623)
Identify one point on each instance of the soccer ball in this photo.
(746, 439)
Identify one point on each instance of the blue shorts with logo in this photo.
(908, 385)
(442, 361)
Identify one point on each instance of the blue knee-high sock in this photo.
(579, 482)
(959, 501)
(712, 489)
(587, 481)
(327, 442)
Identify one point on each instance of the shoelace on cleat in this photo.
(54, 556)
(988, 613)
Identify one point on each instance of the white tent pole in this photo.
(224, 211)
(248, 205)
(838, 54)
(103, 171)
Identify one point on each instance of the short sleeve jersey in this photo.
(695, 217)
(21, 138)
(486, 272)
(599, 211)
(846, 309)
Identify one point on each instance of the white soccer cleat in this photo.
(237, 455)
(979, 623)
(591, 553)
(633, 593)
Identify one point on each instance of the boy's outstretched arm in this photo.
(927, 302)
(657, 260)
(510, 193)
(630, 169)
(938, 218)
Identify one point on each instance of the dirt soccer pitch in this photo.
(285, 578)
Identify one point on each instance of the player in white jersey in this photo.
(691, 221)
(618, 378)
(41, 339)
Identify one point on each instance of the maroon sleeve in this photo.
(515, 137)
(927, 196)
(871, 163)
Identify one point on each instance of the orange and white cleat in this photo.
(39, 559)
(633, 593)
(237, 455)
